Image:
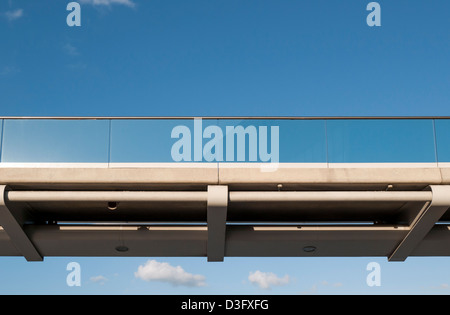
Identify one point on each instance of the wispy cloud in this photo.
(266, 280)
(78, 66)
(9, 70)
(164, 272)
(128, 3)
(324, 284)
(443, 286)
(70, 50)
(13, 15)
(99, 279)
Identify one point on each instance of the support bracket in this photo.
(12, 220)
(424, 222)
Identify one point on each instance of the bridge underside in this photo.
(219, 211)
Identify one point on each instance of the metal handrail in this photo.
(225, 117)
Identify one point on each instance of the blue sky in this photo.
(174, 58)
(225, 58)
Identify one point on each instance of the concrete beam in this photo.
(241, 241)
(110, 178)
(217, 218)
(233, 175)
(11, 220)
(290, 174)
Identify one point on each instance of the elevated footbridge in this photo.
(180, 187)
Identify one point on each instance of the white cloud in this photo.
(128, 3)
(164, 272)
(99, 279)
(265, 280)
(14, 15)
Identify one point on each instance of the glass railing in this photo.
(320, 141)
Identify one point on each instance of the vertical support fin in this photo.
(217, 219)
